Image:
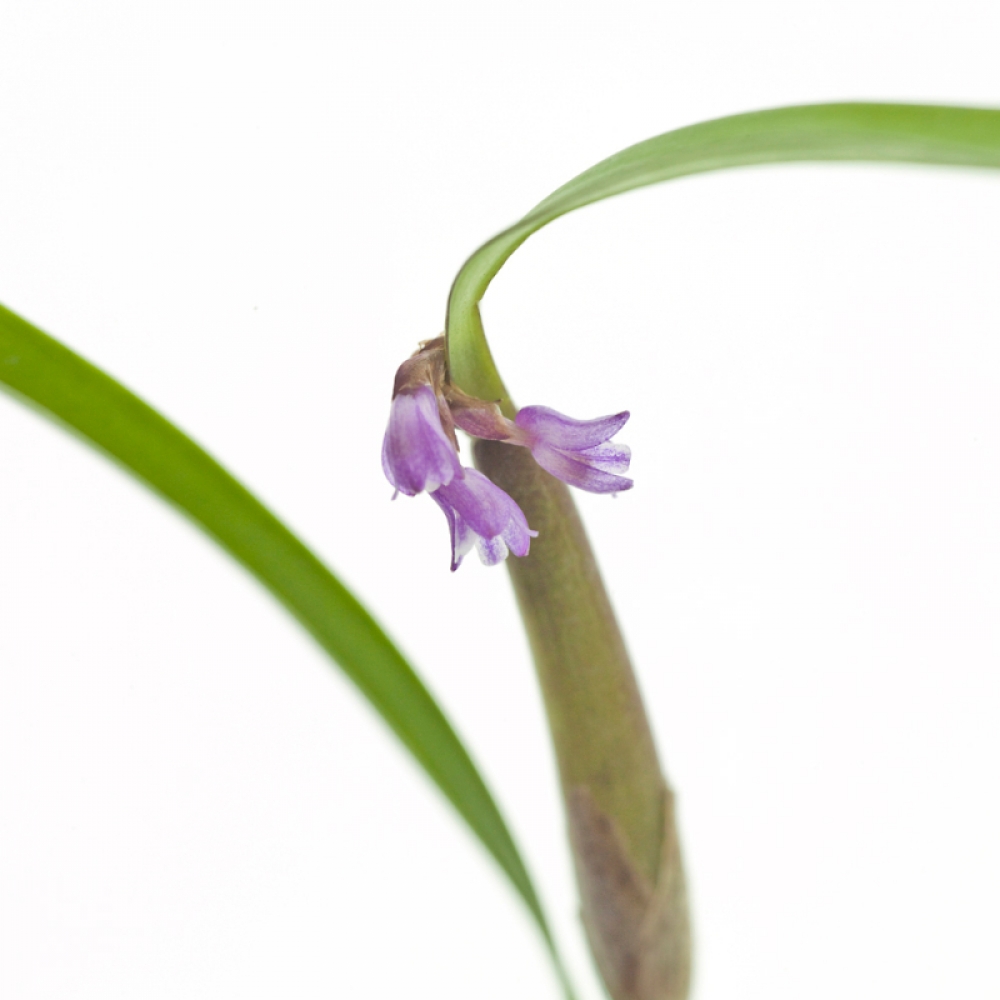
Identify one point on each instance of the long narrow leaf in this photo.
(108, 416)
(902, 133)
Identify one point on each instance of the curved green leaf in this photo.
(902, 133)
(39, 369)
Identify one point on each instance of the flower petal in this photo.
(553, 428)
(416, 453)
(574, 471)
(608, 457)
(485, 507)
(491, 550)
(462, 536)
(517, 534)
(480, 513)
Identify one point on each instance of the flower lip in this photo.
(417, 453)
(481, 514)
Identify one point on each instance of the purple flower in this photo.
(420, 452)
(481, 514)
(417, 454)
(578, 452)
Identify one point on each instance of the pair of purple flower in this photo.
(420, 452)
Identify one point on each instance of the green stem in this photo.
(599, 727)
(619, 810)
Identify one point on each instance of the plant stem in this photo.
(619, 809)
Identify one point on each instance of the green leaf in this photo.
(901, 133)
(65, 387)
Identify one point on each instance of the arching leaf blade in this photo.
(887, 133)
(39, 370)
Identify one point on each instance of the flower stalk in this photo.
(620, 811)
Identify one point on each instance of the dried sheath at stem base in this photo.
(638, 932)
(619, 811)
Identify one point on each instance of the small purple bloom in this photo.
(481, 514)
(417, 454)
(578, 452)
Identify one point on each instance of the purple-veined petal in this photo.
(481, 513)
(574, 471)
(517, 534)
(416, 453)
(608, 457)
(485, 507)
(491, 550)
(578, 452)
(545, 424)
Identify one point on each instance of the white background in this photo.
(250, 214)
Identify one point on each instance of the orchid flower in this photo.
(579, 452)
(420, 452)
